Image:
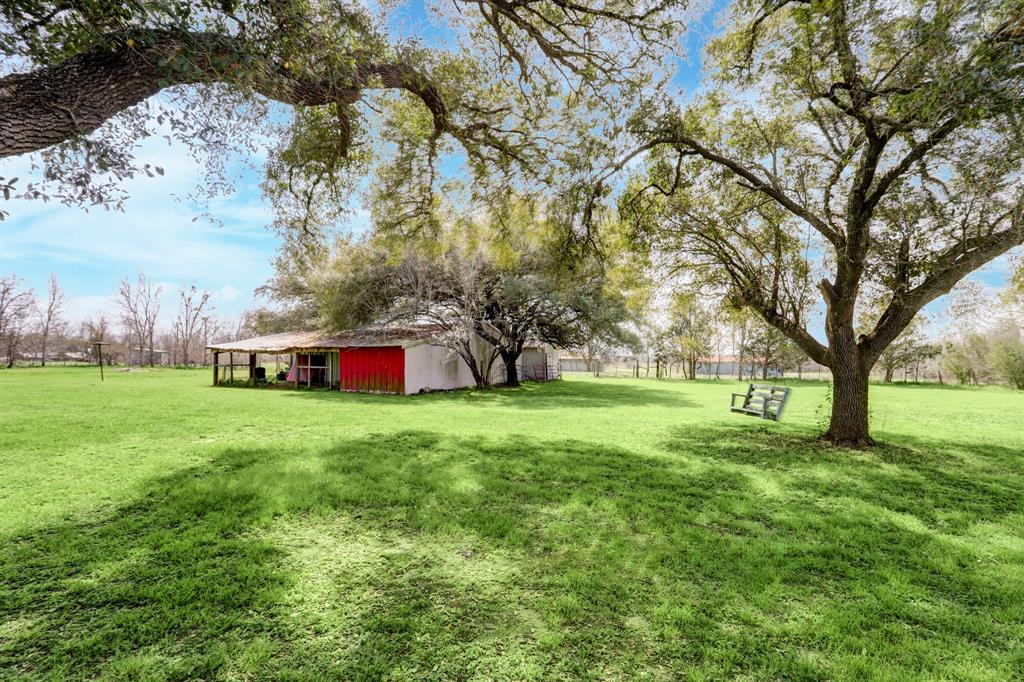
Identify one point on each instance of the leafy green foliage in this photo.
(987, 355)
(870, 149)
(494, 96)
(1006, 357)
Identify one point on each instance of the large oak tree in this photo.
(879, 147)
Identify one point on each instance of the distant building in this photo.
(141, 356)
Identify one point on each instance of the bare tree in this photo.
(210, 329)
(190, 314)
(16, 309)
(52, 317)
(97, 329)
(451, 294)
(139, 309)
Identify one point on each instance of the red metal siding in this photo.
(379, 370)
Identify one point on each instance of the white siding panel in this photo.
(439, 369)
(434, 367)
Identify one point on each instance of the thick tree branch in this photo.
(916, 153)
(755, 182)
(796, 332)
(56, 103)
(949, 268)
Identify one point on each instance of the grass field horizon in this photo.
(154, 527)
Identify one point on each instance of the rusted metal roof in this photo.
(290, 342)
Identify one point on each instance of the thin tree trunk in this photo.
(478, 377)
(464, 350)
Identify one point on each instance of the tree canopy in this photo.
(365, 90)
(501, 277)
(871, 147)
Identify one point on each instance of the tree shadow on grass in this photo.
(416, 555)
(931, 479)
(530, 396)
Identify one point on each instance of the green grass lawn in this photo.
(153, 527)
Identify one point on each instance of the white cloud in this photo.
(91, 251)
(79, 308)
(229, 293)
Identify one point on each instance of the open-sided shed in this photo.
(383, 359)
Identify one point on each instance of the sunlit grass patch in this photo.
(586, 529)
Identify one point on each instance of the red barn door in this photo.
(377, 370)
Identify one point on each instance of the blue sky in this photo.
(158, 231)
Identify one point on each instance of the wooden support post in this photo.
(216, 357)
(231, 368)
(252, 368)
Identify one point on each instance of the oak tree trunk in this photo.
(511, 372)
(848, 426)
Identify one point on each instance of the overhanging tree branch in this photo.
(753, 180)
(56, 103)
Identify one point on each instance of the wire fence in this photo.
(729, 369)
(639, 368)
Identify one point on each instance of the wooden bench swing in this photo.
(762, 400)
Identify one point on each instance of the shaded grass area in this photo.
(468, 536)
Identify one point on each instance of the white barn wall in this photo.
(440, 369)
(435, 368)
(533, 358)
(482, 349)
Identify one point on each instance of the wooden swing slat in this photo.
(762, 400)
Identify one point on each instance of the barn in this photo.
(379, 359)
